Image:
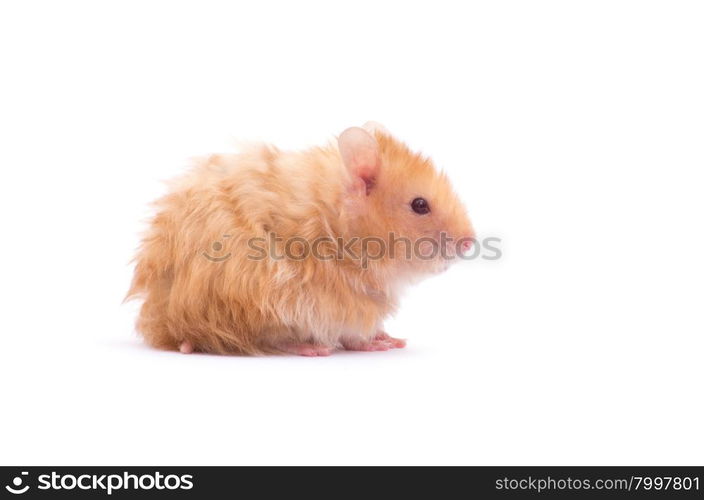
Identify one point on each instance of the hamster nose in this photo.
(467, 243)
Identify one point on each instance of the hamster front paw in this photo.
(385, 337)
(381, 342)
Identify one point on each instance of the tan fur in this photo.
(250, 306)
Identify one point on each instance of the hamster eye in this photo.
(420, 206)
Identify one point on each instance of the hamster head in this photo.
(399, 197)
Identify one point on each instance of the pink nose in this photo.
(467, 244)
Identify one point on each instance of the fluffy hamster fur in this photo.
(360, 186)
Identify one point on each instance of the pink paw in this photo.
(309, 350)
(393, 341)
(186, 347)
(381, 342)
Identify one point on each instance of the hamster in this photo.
(269, 251)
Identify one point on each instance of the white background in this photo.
(573, 131)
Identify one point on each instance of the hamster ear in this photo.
(373, 127)
(360, 154)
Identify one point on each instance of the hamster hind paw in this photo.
(308, 350)
(186, 347)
